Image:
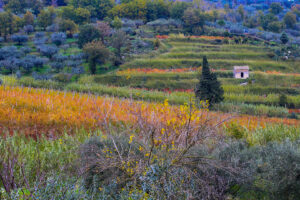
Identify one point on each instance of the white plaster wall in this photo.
(238, 75)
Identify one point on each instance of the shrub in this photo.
(9, 52)
(10, 64)
(236, 131)
(28, 81)
(127, 30)
(57, 66)
(78, 70)
(160, 167)
(39, 35)
(274, 169)
(65, 47)
(54, 187)
(271, 55)
(48, 50)
(86, 80)
(225, 41)
(79, 56)
(52, 28)
(58, 38)
(39, 62)
(293, 116)
(62, 77)
(73, 63)
(156, 43)
(60, 58)
(28, 29)
(128, 23)
(18, 74)
(250, 109)
(94, 152)
(27, 63)
(20, 39)
(117, 23)
(283, 100)
(25, 50)
(40, 41)
(141, 46)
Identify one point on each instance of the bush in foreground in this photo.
(123, 166)
(274, 169)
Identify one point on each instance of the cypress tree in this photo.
(209, 88)
(284, 38)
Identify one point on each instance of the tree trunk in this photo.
(92, 64)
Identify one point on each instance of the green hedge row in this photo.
(217, 55)
(233, 48)
(276, 80)
(155, 76)
(270, 99)
(258, 110)
(179, 98)
(195, 40)
(30, 82)
(172, 63)
(260, 90)
(178, 81)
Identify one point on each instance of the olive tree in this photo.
(48, 50)
(58, 38)
(20, 39)
(87, 33)
(97, 53)
(120, 43)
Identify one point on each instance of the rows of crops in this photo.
(178, 70)
(37, 111)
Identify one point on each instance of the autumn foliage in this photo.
(283, 74)
(40, 111)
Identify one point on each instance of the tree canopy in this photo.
(97, 53)
(97, 8)
(87, 33)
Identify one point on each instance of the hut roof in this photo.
(241, 68)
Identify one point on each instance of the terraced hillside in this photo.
(171, 72)
(174, 71)
(186, 53)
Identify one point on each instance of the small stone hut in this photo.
(241, 72)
